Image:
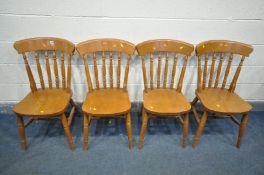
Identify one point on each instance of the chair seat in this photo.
(222, 101)
(165, 101)
(106, 102)
(45, 102)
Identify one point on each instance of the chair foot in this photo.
(21, 131)
(143, 128)
(185, 129)
(86, 122)
(242, 129)
(67, 131)
(200, 129)
(129, 131)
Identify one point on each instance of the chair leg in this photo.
(21, 131)
(67, 131)
(86, 122)
(194, 101)
(129, 131)
(143, 128)
(242, 129)
(185, 129)
(75, 105)
(197, 119)
(200, 129)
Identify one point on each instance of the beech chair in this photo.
(213, 91)
(105, 97)
(164, 99)
(51, 99)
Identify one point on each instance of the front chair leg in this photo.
(21, 131)
(242, 129)
(200, 129)
(86, 122)
(67, 131)
(143, 128)
(185, 129)
(129, 131)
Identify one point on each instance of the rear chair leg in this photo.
(86, 122)
(200, 129)
(67, 131)
(185, 129)
(242, 129)
(129, 131)
(143, 128)
(197, 119)
(75, 105)
(21, 131)
(194, 101)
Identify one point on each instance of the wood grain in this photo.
(162, 100)
(45, 103)
(221, 100)
(112, 101)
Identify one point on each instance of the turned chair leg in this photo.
(242, 129)
(185, 129)
(67, 131)
(129, 131)
(86, 123)
(21, 131)
(200, 129)
(143, 128)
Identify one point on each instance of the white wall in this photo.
(191, 21)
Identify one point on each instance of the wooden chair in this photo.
(165, 99)
(51, 99)
(216, 98)
(102, 101)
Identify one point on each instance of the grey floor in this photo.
(48, 151)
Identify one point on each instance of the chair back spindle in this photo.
(96, 70)
(55, 65)
(111, 70)
(212, 71)
(179, 87)
(63, 71)
(126, 71)
(119, 70)
(166, 71)
(48, 69)
(104, 69)
(39, 70)
(219, 70)
(173, 71)
(205, 70)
